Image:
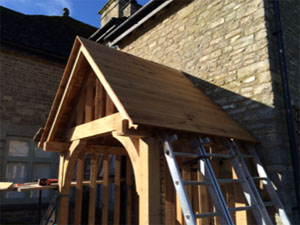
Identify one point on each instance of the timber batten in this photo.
(112, 106)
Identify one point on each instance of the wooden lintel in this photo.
(136, 132)
(94, 128)
(89, 149)
(53, 146)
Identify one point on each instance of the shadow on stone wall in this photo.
(261, 120)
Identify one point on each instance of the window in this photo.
(25, 162)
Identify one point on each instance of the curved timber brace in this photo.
(66, 166)
(144, 155)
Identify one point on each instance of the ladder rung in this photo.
(204, 215)
(193, 155)
(214, 155)
(217, 155)
(225, 181)
(212, 145)
(268, 203)
(247, 156)
(192, 182)
(260, 178)
(190, 155)
(241, 208)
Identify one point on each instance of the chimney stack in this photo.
(118, 9)
(66, 12)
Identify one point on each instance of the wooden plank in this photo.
(60, 91)
(239, 199)
(132, 70)
(229, 188)
(69, 90)
(78, 113)
(5, 185)
(104, 82)
(93, 187)
(129, 189)
(110, 107)
(35, 186)
(138, 132)
(186, 175)
(195, 197)
(61, 170)
(89, 113)
(103, 101)
(205, 202)
(56, 146)
(150, 178)
(90, 149)
(105, 189)
(179, 215)
(183, 112)
(97, 99)
(170, 202)
(162, 90)
(117, 190)
(79, 189)
(95, 128)
(192, 125)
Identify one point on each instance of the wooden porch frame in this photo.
(114, 103)
(142, 151)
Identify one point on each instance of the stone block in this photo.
(253, 68)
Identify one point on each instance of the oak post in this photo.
(93, 187)
(117, 193)
(150, 179)
(79, 189)
(105, 189)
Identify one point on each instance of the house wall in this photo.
(225, 47)
(28, 87)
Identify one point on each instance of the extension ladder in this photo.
(49, 216)
(251, 193)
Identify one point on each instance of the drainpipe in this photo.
(287, 102)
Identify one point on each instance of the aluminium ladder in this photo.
(250, 191)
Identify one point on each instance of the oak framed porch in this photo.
(112, 103)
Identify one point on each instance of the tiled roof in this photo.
(48, 35)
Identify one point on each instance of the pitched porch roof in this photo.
(145, 93)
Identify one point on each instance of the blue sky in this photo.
(83, 10)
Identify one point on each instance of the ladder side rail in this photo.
(251, 183)
(239, 167)
(178, 183)
(213, 186)
(50, 212)
(269, 187)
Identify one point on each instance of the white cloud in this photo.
(41, 7)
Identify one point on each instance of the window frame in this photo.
(29, 161)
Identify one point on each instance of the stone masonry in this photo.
(28, 86)
(230, 49)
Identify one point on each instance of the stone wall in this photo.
(224, 46)
(28, 86)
